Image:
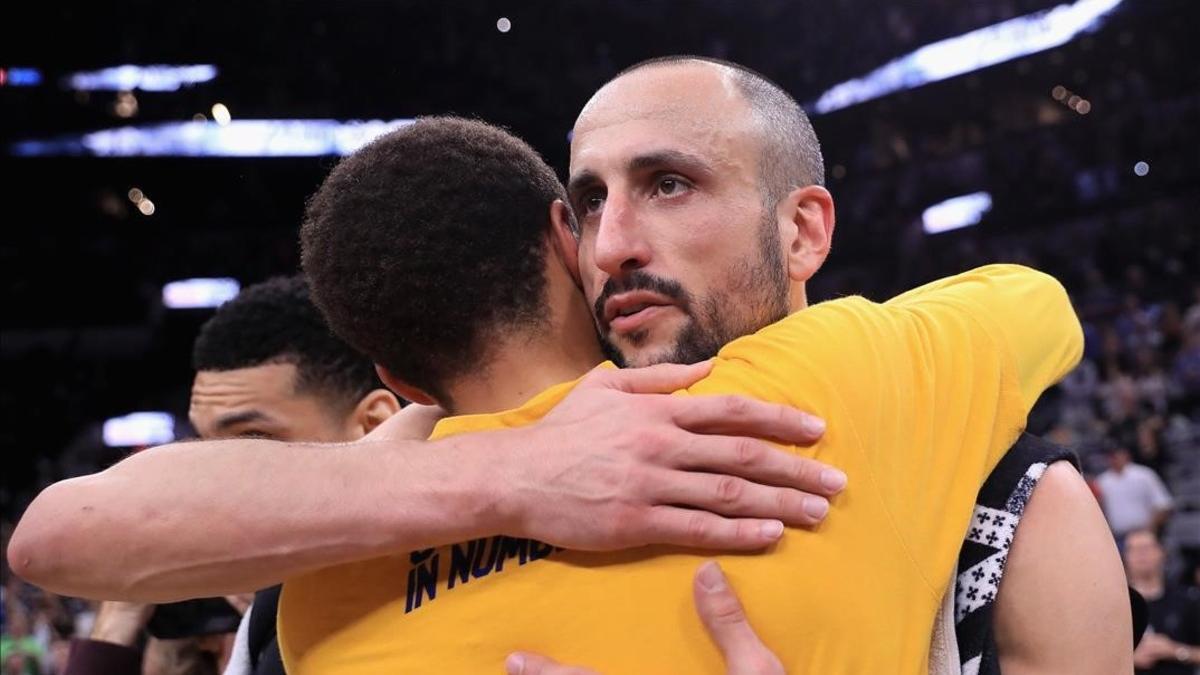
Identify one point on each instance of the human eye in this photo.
(590, 203)
(255, 434)
(670, 186)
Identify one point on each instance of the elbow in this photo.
(20, 554)
(1058, 311)
(49, 545)
(34, 546)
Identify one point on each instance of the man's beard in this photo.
(758, 288)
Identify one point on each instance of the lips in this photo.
(629, 311)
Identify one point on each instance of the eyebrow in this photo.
(658, 158)
(234, 419)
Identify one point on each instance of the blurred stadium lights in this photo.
(956, 213)
(145, 78)
(139, 428)
(221, 114)
(199, 293)
(20, 77)
(978, 49)
(238, 138)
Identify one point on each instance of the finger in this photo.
(741, 416)
(675, 526)
(663, 378)
(759, 462)
(732, 496)
(723, 616)
(524, 663)
(240, 602)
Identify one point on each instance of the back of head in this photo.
(429, 243)
(790, 151)
(277, 322)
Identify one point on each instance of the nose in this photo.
(621, 246)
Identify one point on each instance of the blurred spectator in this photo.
(1133, 496)
(1171, 644)
(20, 652)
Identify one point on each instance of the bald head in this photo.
(789, 154)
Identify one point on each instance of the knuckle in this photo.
(729, 489)
(748, 452)
(726, 610)
(651, 442)
(699, 529)
(785, 504)
(624, 525)
(804, 472)
(735, 406)
(636, 483)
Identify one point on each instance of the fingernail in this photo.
(514, 664)
(816, 507)
(833, 480)
(814, 425)
(772, 529)
(710, 577)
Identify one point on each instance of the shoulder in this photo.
(1143, 473)
(1058, 589)
(1061, 484)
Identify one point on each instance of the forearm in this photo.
(213, 518)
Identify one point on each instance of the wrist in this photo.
(120, 630)
(500, 497)
(483, 487)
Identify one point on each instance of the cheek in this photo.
(589, 274)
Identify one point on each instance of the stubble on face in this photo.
(754, 295)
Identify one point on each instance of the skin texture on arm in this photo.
(220, 517)
(1063, 605)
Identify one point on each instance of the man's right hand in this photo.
(620, 463)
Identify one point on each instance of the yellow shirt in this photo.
(922, 395)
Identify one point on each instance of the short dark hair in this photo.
(277, 322)
(429, 240)
(791, 155)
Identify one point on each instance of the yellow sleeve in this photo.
(922, 394)
(1028, 310)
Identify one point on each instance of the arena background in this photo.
(1088, 153)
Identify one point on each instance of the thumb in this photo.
(662, 378)
(524, 663)
(723, 616)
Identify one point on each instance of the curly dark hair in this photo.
(277, 322)
(429, 240)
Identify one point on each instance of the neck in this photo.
(1150, 585)
(797, 297)
(520, 367)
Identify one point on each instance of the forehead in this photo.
(1140, 540)
(219, 392)
(693, 106)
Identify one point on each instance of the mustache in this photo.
(638, 280)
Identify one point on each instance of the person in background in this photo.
(1132, 495)
(266, 367)
(1171, 645)
(20, 652)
